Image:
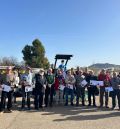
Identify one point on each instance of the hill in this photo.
(104, 66)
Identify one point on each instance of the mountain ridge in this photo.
(104, 65)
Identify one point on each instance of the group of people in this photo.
(58, 86)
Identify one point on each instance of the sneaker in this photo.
(106, 107)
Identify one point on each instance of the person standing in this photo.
(8, 94)
(91, 89)
(80, 91)
(49, 88)
(16, 84)
(115, 82)
(39, 91)
(26, 82)
(59, 80)
(106, 79)
(69, 89)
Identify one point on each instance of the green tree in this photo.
(34, 55)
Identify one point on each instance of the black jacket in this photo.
(40, 82)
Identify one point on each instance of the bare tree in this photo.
(8, 61)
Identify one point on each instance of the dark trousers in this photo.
(4, 96)
(15, 94)
(80, 93)
(49, 92)
(116, 92)
(0, 107)
(102, 93)
(24, 96)
(38, 99)
(91, 93)
(70, 92)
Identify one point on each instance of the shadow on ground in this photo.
(72, 113)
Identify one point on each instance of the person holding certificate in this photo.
(106, 79)
(59, 87)
(115, 82)
(91, 89)
(7, 91)
(26, 82)
(80, 90)
(69, 89)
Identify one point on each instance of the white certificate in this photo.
(93, 82)
(70, 86)
(100, 83)
(6, 88)
(61, 87)
(83, 83)
(96, 83)
(28, 89)
(108, 89)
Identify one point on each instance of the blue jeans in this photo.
(69, 92)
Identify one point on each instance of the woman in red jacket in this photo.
(59, 81)
(106, 79)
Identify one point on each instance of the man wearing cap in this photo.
(40, 86)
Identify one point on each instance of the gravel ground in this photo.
(60, 117)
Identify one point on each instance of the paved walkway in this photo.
(61, 117)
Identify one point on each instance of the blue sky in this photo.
(88, 29)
